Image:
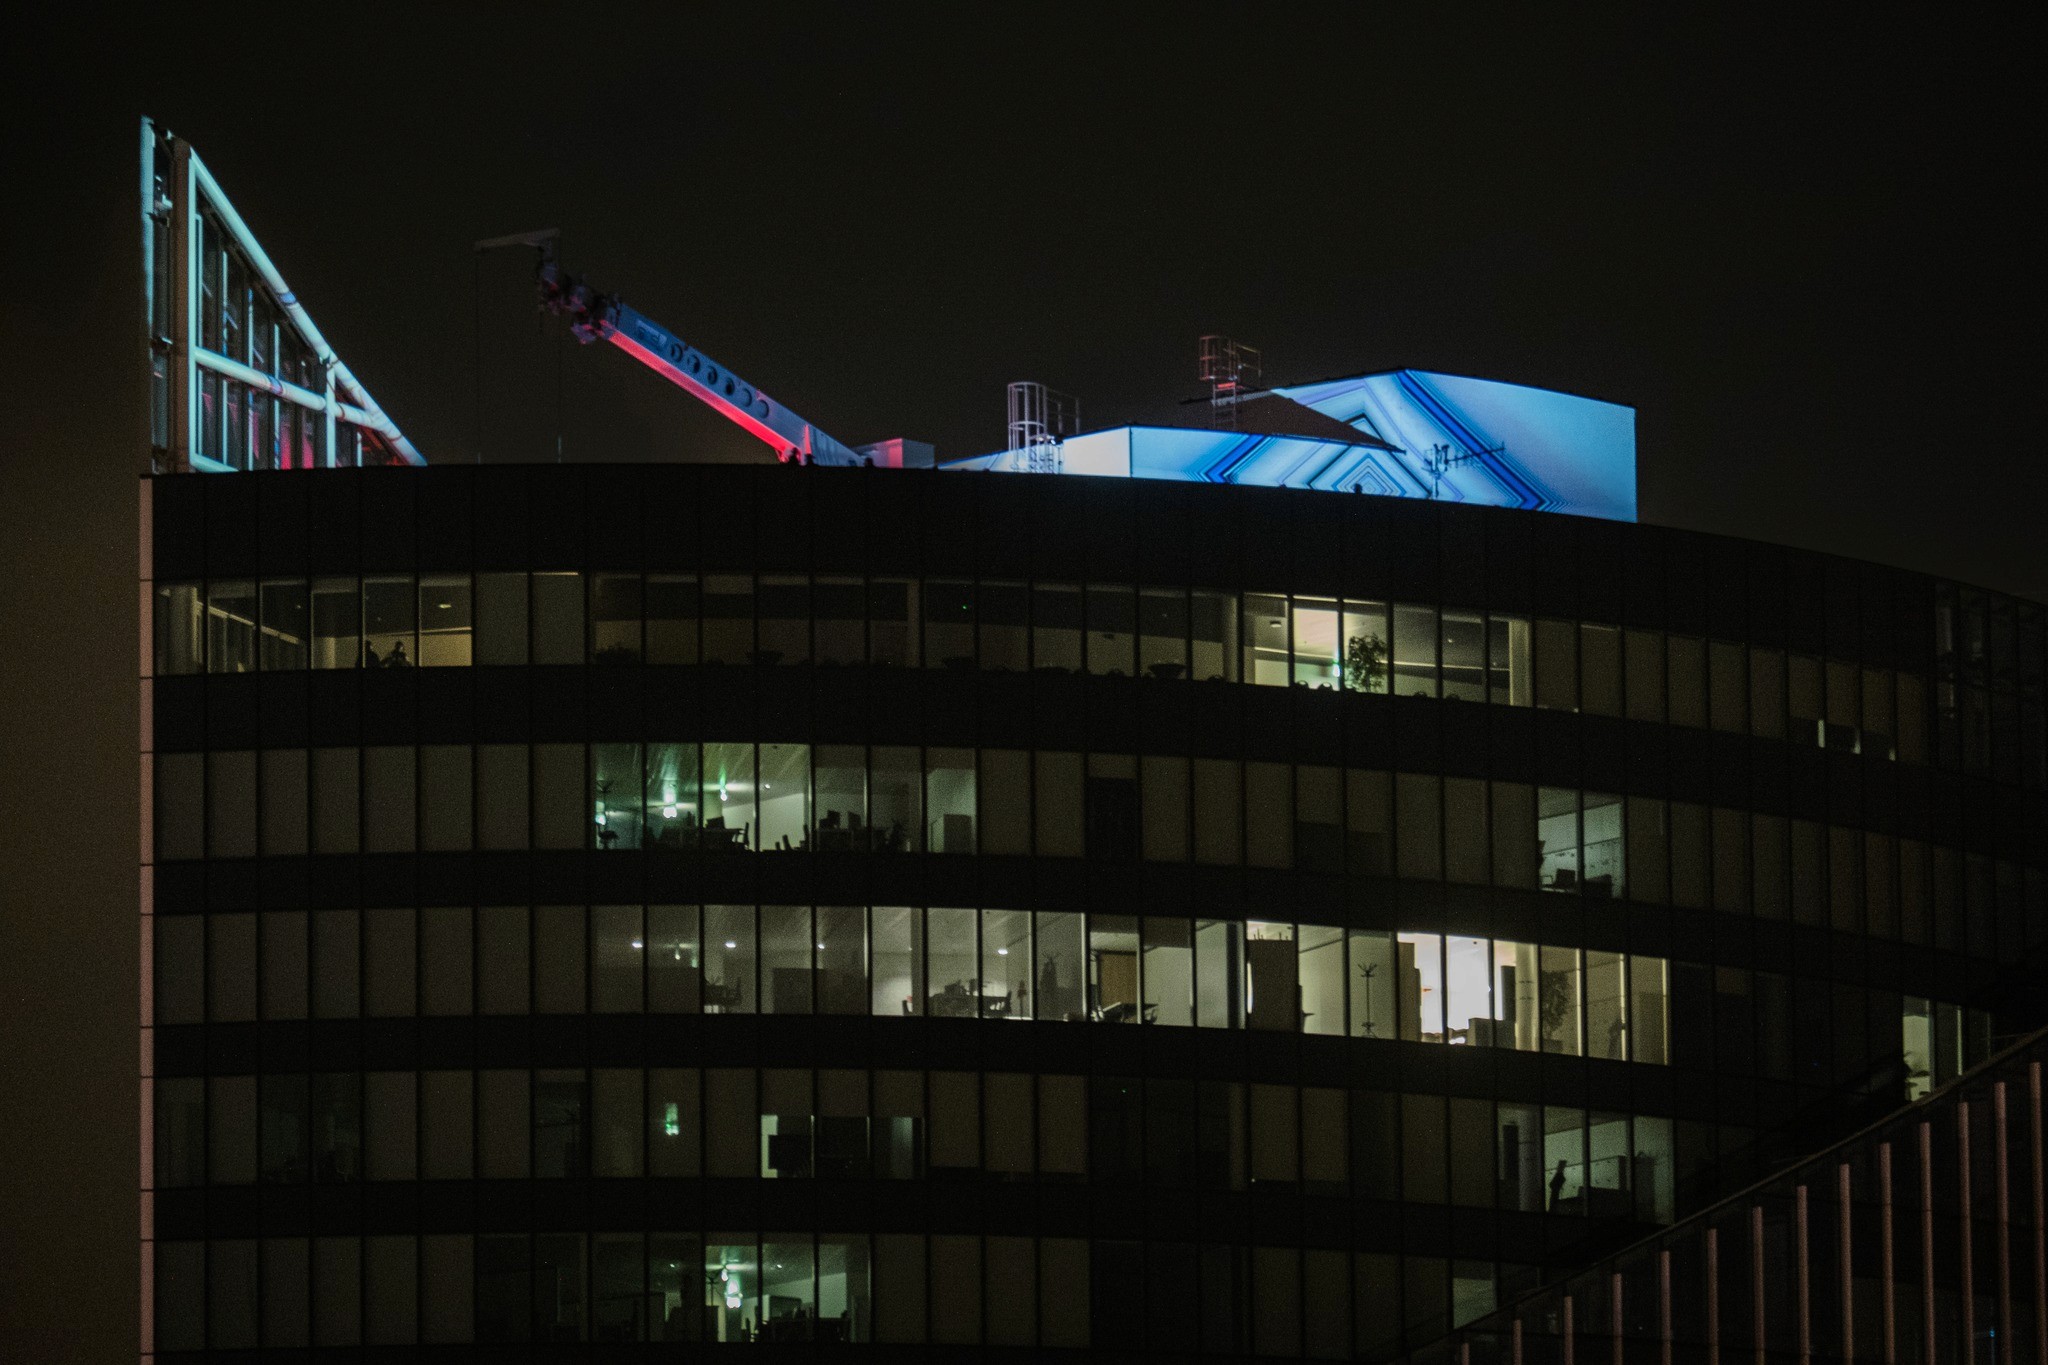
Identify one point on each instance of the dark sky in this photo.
(1799, 248)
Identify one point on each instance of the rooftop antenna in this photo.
(1440, 460)
(1041, 419)
(1231, 370)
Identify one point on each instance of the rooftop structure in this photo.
(241, 379)
(1403, 434)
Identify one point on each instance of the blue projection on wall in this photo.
(1421, 435)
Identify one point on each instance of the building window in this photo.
(557, 618)
(615, 619)
(1056, 627)
(1321, 967)
(1113, 969)
(1213, 621)
(949, 625)
(950, 800)
(501, 619)
(672, 615)
(1112, 630)
(1163, 633)
(1004, 618)
(840, 632)
(892, 622)
(1318, 662)
(179, 630)
(231, 627)
(783, 633)
(286, 618)
(390, 621)
(1167, 971)
(1415, 646)
(839, 776)
(1464, 656)
(446, 621)
(1006, 987)
(898, 981)
(1600, 690)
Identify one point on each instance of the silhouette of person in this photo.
(1048, 983)
(1556, 1185)
(396, 658)
(370, 659)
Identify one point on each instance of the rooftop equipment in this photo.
(1231, 371)
(594, 316)
(1041, 418)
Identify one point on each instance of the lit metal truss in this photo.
(239, 377)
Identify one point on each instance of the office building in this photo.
(612, 911)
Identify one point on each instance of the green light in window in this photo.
(671, 1122)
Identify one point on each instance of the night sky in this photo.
(1799, 249)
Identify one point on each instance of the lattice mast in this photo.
(1231, 370)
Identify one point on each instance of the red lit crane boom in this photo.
(595, 316)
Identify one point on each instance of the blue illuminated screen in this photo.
(1422, 435)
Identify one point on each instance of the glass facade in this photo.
(1271, 640)
(591, 909)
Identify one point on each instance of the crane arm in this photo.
(595, 316)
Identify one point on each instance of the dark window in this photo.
(1115, 1130)
(1113, 819)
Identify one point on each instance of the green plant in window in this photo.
(1365, 663)
(1554, 1003)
